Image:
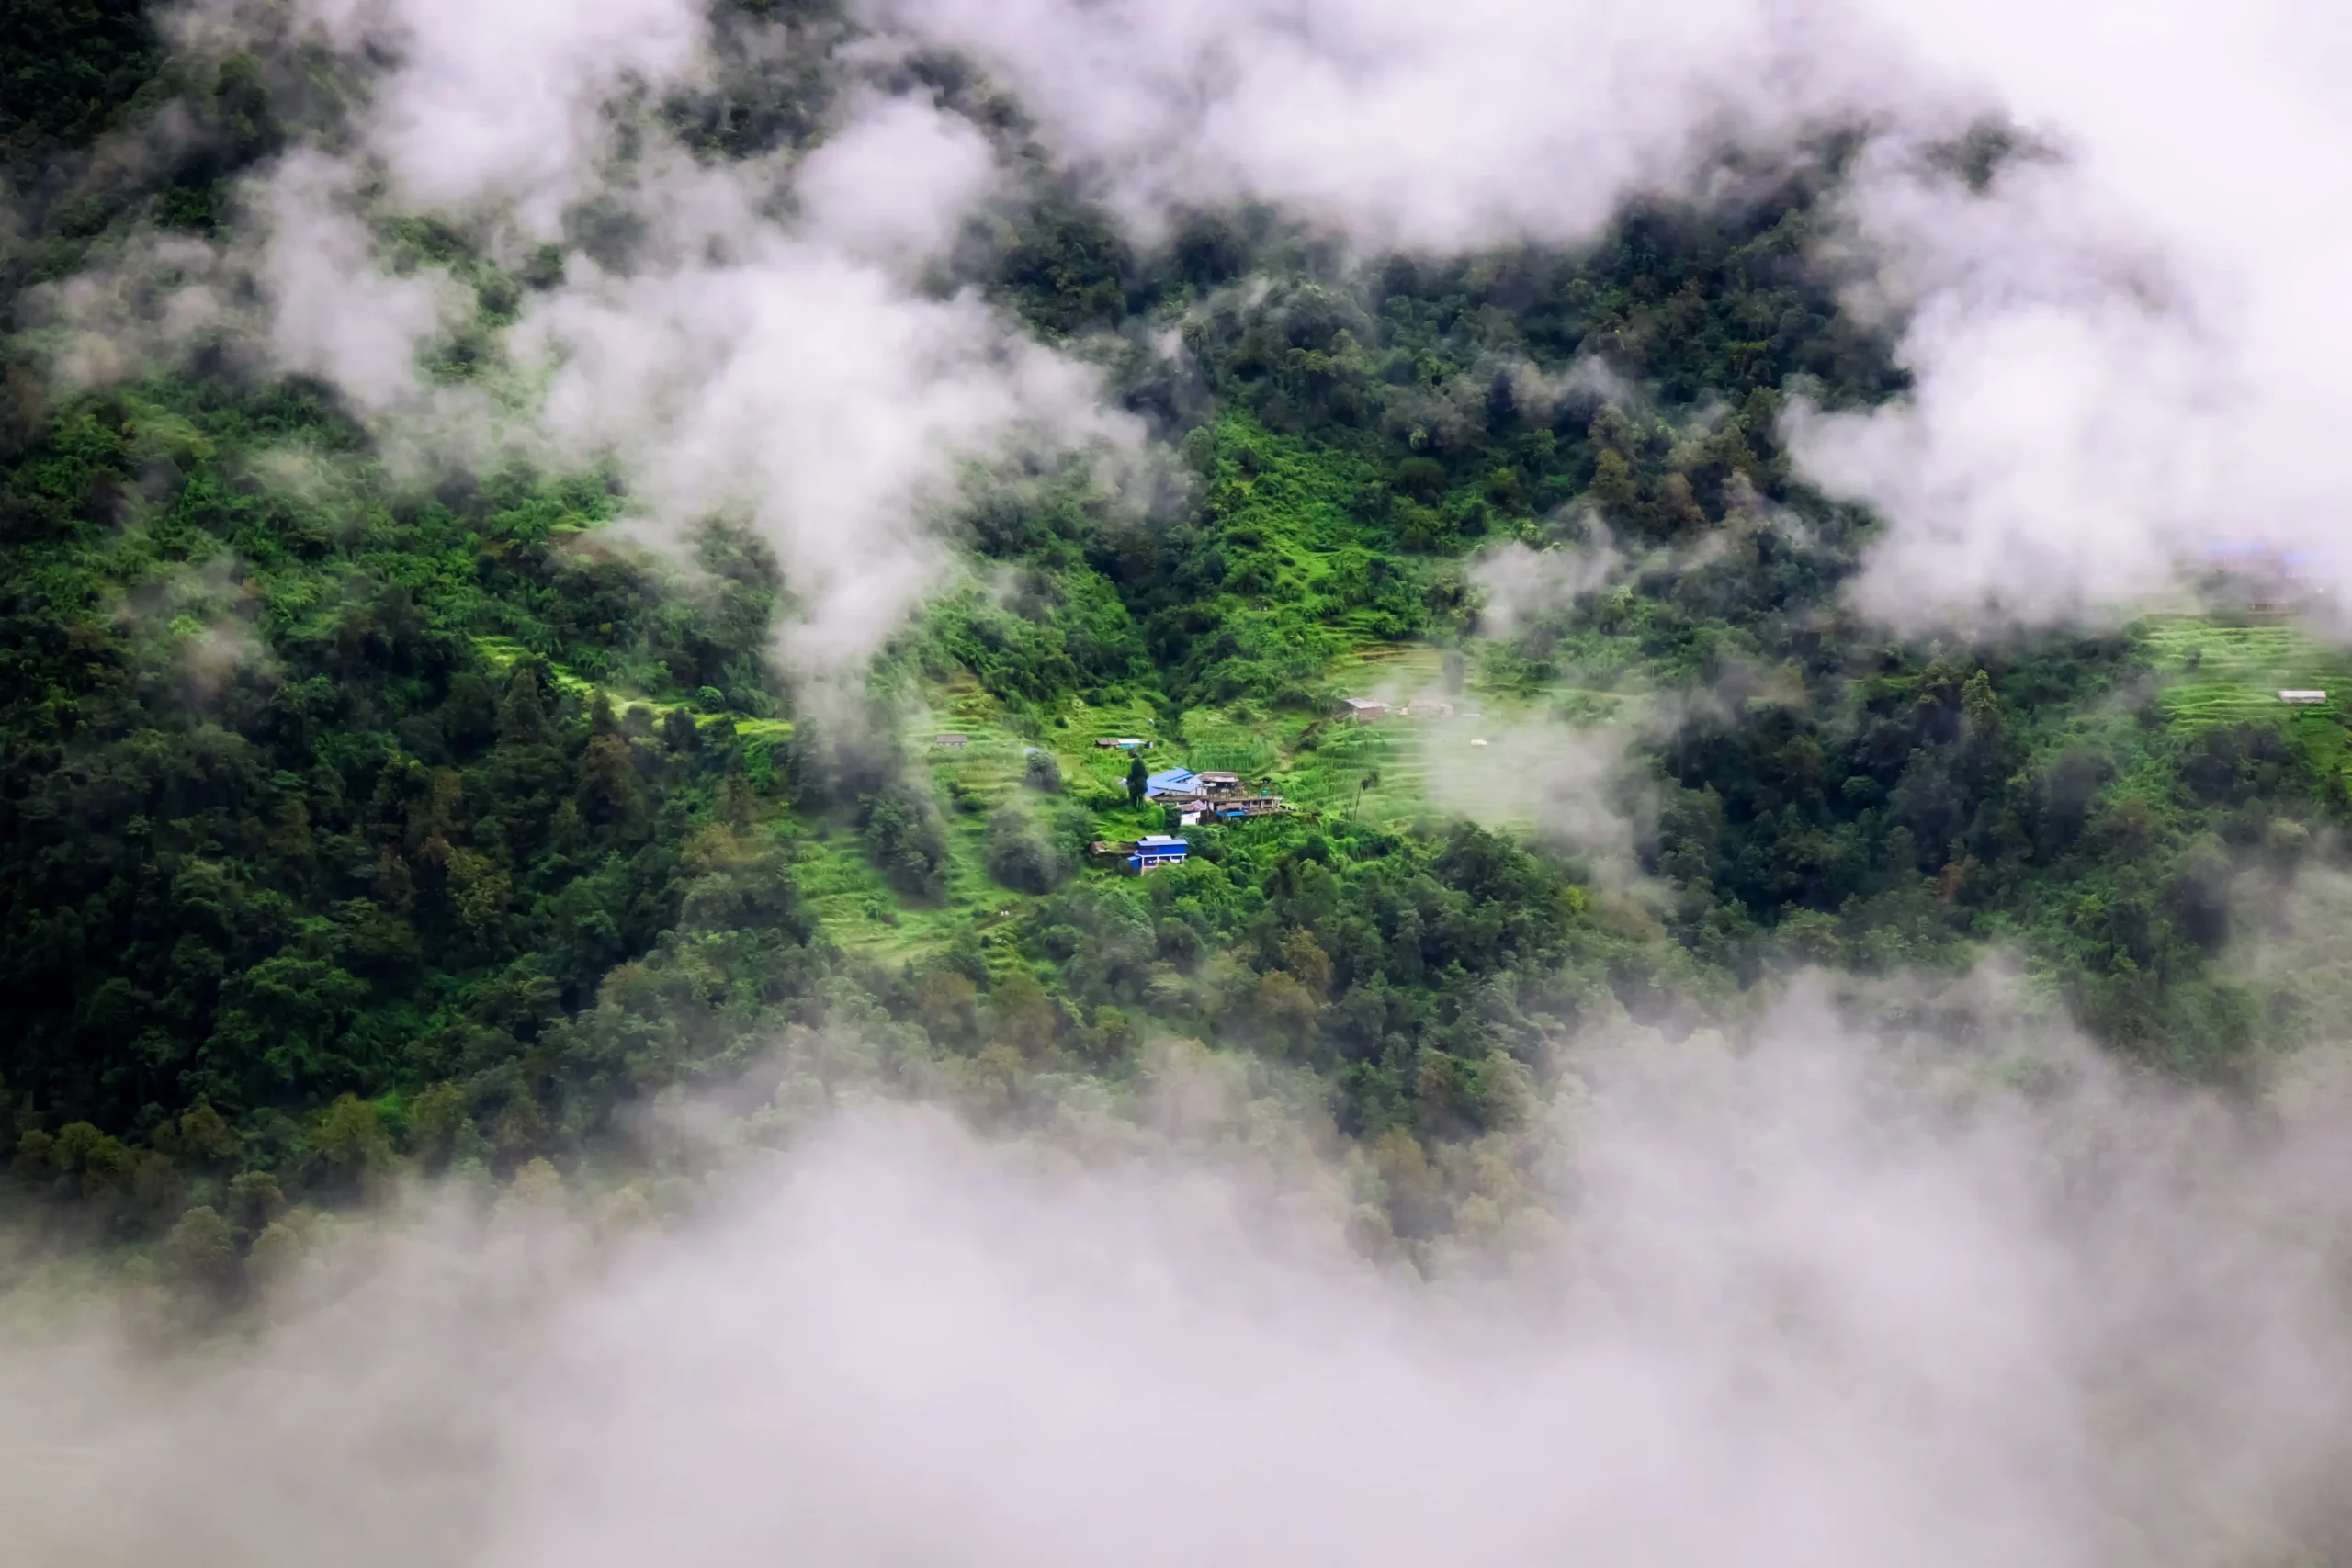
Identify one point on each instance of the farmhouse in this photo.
(1231, 808)
(1362, 710)
(1175, 784)
(1154, 851)
(953, 743)
(1121, 743)
(2303, 698)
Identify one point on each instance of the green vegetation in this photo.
(345, 824)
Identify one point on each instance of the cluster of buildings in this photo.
(1195, 797)
(1209, 796)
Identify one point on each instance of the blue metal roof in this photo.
(1175, 781)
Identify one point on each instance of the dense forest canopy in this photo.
(359, 812)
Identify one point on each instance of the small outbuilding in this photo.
(1122, 743)
(1362, 710)
(953, 743)
(2303, 698)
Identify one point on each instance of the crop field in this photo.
(858, 907)
(2220, 674)
(1381, 772)
(1394, 772)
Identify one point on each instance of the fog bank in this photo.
(1826, 1299)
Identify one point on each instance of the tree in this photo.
(201, 1247)
(1025, 1017)
(434, 1117)
(351, 1141)
(256, 1199)
(1284, 1007)
(1021, 855)
(1306, 961)
(205, 1135)
(608, 790)
(522, 721)
(537, 1186)
(946, 1004)
(1138, 780)
(279, 1250)
(903, 834)
(1041, 773)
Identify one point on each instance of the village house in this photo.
(1155, 850)
(1146, 854)
(1362, 710)
(1231, 808)
(953, 743)
(1174, 784)
(2301, 698)
(1121, 743)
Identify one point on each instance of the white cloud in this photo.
(1814, 1300)
(1517, 584)
(765, 344)
(1572, 784)
(333, 313)
(2130, 354)
(504, 106)
(2118, 357)
(1411, 125)
(897, 181)
(803, 389)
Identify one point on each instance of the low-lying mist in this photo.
(1943, 1288)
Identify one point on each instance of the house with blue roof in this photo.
(1176, 783)
(1155, 850)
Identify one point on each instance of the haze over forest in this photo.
(1740, 607)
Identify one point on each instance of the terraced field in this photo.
(1394, 772)
(2217, 674)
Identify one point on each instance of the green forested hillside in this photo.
(349, 822)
